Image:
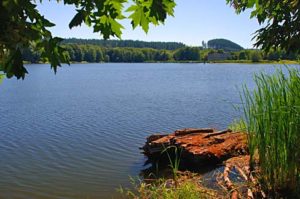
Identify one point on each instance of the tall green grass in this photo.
(272, 116)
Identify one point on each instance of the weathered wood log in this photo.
(218, 133)
(200, 146)
(154, 137)
(187, 131)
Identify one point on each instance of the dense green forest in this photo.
(126, 43)
(223, 44)
(91, 50)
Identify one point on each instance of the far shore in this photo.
(207, 62)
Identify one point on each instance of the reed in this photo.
(272, 116)
(174, 161)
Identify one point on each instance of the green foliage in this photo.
(187, 54)
(255, 56)
(1, 78)
(174, 160)
(154, 11)
(23, 27)
(90, 55)
(238, 125)
(280, 19)
(272, 115)
(242, 55)
(274, 55)
(84, 51)
(162, 190)
(223, 44)
(126, 43)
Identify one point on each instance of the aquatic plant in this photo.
(174, 160)
(272, 115)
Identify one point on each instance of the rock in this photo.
(199, 146)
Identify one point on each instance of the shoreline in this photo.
(191, 62)
(205, 161)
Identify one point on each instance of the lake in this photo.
(77, 134)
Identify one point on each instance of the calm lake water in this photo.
(77, 134)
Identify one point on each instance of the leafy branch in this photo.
(23, 27)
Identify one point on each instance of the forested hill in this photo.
(223, 44)
(126, 43)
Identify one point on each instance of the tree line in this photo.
(258, 55)
(22, 26)
(95, 53)
(126, 43)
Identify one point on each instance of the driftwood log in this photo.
(199, 146)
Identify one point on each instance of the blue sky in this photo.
(194, 21)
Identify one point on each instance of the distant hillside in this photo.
(126, 43)
(224, 44)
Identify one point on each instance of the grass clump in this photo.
(272, 116)
(180, 186)
(165, 189)
(238, 126)
(1, 78)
